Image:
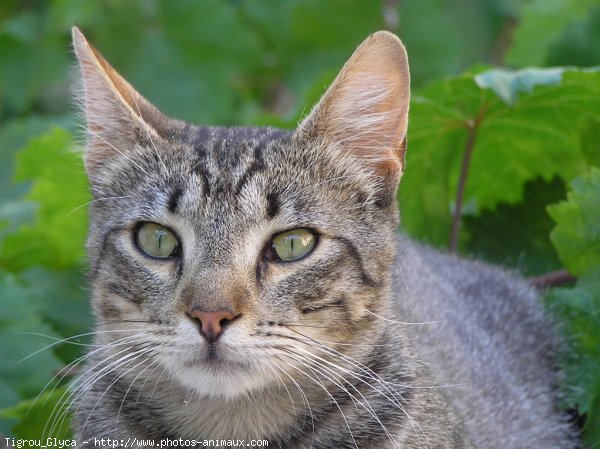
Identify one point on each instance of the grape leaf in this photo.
(577, 233)
(578, 310)
(577, 240)
(532, 128)
(517, 236)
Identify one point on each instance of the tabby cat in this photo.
(249, 283)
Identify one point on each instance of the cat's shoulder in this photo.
(457, 280)
(486, 338)
(473, 306)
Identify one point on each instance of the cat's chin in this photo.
(224, 383)
(219, 378)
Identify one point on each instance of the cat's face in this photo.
(232, 258)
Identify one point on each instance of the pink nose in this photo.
(212, 323)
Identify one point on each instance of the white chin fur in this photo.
(226, 384)
(226, 380)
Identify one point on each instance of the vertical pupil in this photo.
(159, 236)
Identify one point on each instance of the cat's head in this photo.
(229, 258)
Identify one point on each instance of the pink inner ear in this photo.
(366, 108)
(369, 117)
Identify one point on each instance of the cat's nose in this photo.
(212, 323)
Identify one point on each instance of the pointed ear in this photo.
(365, 110)
(116, 115)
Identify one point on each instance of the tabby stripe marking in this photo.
(173, 203)
(256, 166)
(368, 280)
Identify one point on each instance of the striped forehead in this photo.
(227, 158)
(228, 169)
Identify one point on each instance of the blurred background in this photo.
(236, 61)
(502, 163)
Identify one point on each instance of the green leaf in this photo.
(441, 39)
(63, 304)
(57, 237)
(541, 24)
(579, 44)
(33, 68)
(578, 309)
(538, 136)
(577, 233)
(199, 70)
(39, 418)
(577, 240)
(517, 236)
(63, 14)
(14, 135)
(37, 311)
(24, 369)
(508, 84)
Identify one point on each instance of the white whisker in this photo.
(322, 386)
(98, 199)
(398, 322)
(114, 148)
(150, 136)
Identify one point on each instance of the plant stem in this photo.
(504, 41)
(472, 126)
(390, 14)
(552, 279)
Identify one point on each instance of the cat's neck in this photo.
(264, 414)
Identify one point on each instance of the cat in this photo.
(250, 284)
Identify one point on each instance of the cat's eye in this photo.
(293, 245)
(156, 241)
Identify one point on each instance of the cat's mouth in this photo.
(216, 355)
(213, 353)
(217, 369)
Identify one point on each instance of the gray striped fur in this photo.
(371, 341)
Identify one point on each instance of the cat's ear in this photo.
(365, 110)
(116, 115)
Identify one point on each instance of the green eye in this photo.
(293, 245)
(156, 241)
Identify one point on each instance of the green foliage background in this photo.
(531, 200)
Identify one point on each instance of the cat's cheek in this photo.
(110, 305)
